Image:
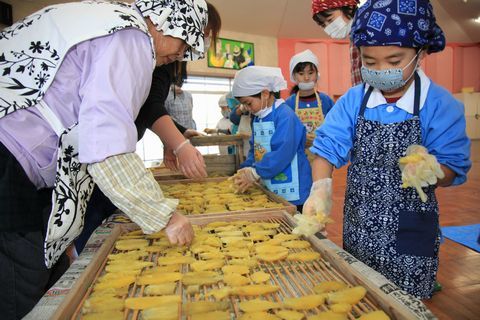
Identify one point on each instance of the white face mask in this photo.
(306, 85)
(263, 111)
(338, 28)
(226, 113)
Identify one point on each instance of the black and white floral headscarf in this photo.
(184, 19)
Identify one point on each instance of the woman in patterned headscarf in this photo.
(83, 80)
(154, 116)
(404, 136)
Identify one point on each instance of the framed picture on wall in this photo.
(231, 54)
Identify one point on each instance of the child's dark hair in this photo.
(321, 17)
(298, 68)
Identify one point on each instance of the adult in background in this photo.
(179, 105)
(335, 17)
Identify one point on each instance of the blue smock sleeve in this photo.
(334, 138)
(289, 134)
(444, 131)
(291, 102)
(234, 117)
(327, 103)
(250, 157)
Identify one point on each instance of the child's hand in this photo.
(419, 169)
(209, 131)
(191, 133)
(245, 178)
(320, 199)
(309, 225)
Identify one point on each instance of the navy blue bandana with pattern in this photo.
(403, 23)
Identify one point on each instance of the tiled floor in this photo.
(459, 271)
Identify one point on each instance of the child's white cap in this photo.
(252, 80)
(222, 102)
(304, 56)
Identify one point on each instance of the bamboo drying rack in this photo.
(294, 278)
(287, 206)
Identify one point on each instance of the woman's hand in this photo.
(179, 230)
(191, 163)
(169, 159)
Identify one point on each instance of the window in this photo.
(205, 92)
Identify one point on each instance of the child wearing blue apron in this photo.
(277, 156)
(388, 224)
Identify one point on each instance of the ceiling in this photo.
(292, 18)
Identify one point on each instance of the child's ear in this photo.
(265, 93)
(422, 54)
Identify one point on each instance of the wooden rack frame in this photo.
(294, 278)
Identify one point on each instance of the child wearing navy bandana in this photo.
(403, 135)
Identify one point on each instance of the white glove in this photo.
(245, 178)
(320, 199)
(419, 169)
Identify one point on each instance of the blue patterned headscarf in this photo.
(403, 23)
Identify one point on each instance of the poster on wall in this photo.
(231, 54)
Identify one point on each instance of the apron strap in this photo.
(319, 102)
(416, 103)
(365, 100)
(319, 106)
(51, 118)
(297, 97)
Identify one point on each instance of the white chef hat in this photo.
(304, 56)
(252, 80)
(222, 102)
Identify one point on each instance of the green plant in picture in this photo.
(230, 54)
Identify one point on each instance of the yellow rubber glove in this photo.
(320, 199)
(419, 169)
